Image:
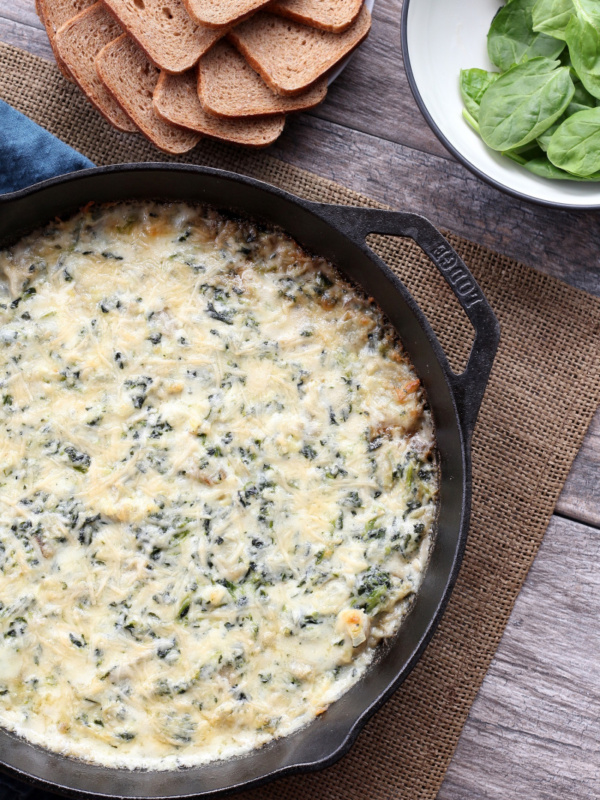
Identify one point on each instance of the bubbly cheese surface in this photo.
(217, 485)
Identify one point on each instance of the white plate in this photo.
(441, 37)
(337, 71)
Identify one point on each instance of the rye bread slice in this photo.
(329, 15)
(176, 100)
(54, 14)
(131, 79)
(171, 39)
(218, 13)
(229, 87)
(78, 42)
(289, 56)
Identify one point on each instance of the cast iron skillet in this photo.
(338, 233)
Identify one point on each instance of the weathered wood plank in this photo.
(31, 37)
(22, 11)
(373, 94)
(562, 243)
(580, 498)
(374, 80)
(534, 730)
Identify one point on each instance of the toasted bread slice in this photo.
(289, 56)
(329, 15)
(164, 30)
(229, 87)
(54, 14)
(131, 79)
(78, 42)
(176, 100)
(217, 13)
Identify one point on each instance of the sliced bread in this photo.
(217, 13)
(164, 30)
(329, 15)
(176, 100)
(131, 79)
(289, 56)
(229, 87)
(54, 14)
(78, 43)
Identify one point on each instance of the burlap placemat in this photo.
(543, 391)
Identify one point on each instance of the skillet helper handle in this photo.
(468, 388)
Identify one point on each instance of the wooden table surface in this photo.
(534, 730)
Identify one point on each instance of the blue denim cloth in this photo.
(29, 154)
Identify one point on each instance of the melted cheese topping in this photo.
(217, 486)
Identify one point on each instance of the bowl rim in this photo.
(412, 82)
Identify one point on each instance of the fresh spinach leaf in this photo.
(588, 10)
(544, 139)
(511, 38)
(583, 40)
(473, 83)
(575, 145)
(524, 102)
(470, 119)
(582, 100)
(543, 110)
(545, 169)
(552, 17)
(515, 157)
(524, 154)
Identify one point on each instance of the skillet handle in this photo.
(469, 387)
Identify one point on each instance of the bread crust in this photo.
(309, 12)
(228, 87)
(264, 41)
(132, 63)
(104, 30)
(176, 101)
(51, 17)
(232, 11)
(269, 64)
(179, 52)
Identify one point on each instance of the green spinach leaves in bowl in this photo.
(542, 108)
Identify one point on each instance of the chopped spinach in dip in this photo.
(217, 485)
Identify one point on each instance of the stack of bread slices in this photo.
(178, 70)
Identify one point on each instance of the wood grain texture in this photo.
(22, 11)
(561, 243)
(534, 730)
(29, 36)
(374, 95)
(580, 498)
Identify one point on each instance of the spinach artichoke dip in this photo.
(218, 485)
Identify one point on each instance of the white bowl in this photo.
(441, 37)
